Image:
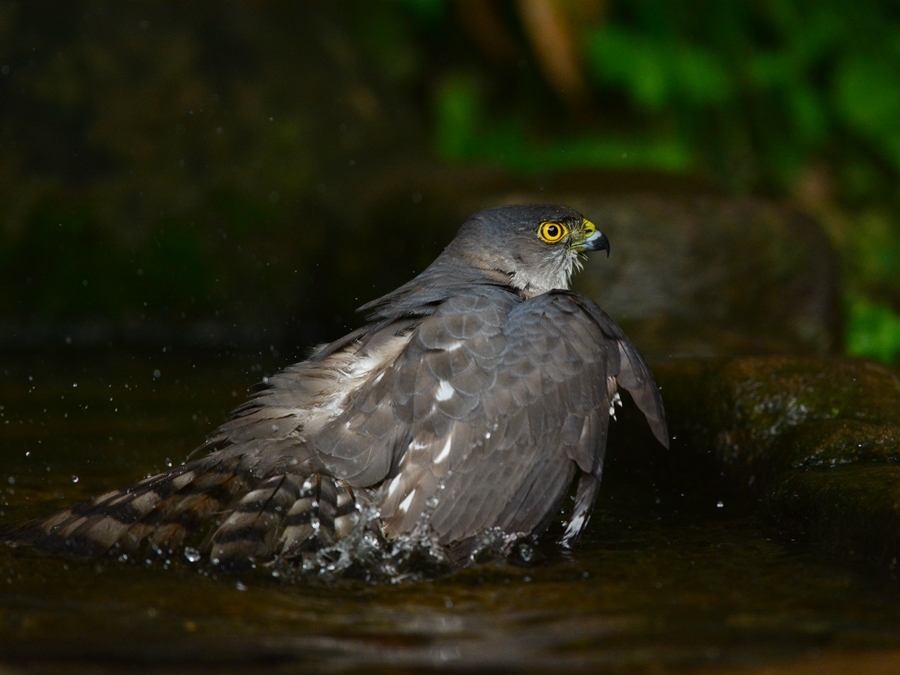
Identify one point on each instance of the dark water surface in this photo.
(651, 588)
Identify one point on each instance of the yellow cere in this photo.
(589, 228)
(552, 232)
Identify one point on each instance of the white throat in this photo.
(554, 278)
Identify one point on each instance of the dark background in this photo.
(248, 173)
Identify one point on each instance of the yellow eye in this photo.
(552, 232)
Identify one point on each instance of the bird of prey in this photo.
(469, 403)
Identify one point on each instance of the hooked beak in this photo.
(594, 239)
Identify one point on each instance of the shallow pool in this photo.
(663, 581)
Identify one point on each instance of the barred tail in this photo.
(214, 504)
(286, 515)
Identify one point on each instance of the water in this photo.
(685, 586)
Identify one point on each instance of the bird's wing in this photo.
(633, 374)
(484, 416)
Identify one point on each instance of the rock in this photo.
(715, 276)
(813, 441)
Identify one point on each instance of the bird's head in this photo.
(538, 246)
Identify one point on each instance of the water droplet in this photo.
(192, 554)
(720, 504)
(74, 479)
(526, 552)
(240, 586)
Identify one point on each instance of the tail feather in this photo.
(217, 505)
(325, 512)
(159, 512)
(286, 516)
(250, 530)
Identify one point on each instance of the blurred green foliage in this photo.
(463, 132)
(753, 93)
(873, 330)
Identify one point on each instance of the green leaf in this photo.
(873, 330)
(701, 76)
(656, 73)
(457, 111)
(867, 95)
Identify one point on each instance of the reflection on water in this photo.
(645, 589)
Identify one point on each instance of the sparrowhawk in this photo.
(467, 404)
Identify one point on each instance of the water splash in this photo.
(365, 554)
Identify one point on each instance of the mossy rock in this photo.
(814, 441)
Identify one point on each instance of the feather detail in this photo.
(245, 519)
(159, 513)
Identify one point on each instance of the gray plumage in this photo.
(468, 404)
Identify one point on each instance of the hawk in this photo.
(467, 405)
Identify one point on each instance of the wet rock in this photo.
(815, 441)
(715, 276)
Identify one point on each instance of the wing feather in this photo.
(497, 402)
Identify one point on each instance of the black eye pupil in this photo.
(552, 231)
